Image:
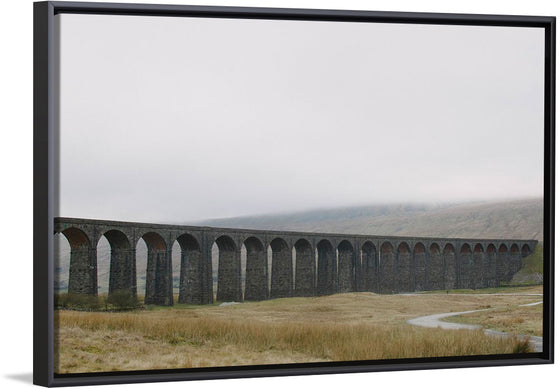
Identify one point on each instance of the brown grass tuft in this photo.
(522, 346)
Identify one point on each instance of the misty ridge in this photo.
(509, 219)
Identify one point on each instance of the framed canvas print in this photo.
(229, 192)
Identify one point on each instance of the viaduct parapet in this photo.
(303, 263)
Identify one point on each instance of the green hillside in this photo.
(531, 269)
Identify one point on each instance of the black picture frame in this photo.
(45, 163)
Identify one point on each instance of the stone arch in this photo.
(525, 250)
(480, 264)
(346, 267)
(229, 270)
(122, 273)
(465, 267)
(281, 282)
(103, 250)
(326, 268)
(76, 237)
(502, 263)
(387, 268)
(256, 273)
(159, 279)
(154, 241)
(514, 261)
(420, 266)
(436, 268)
(61, 263)
(491, 255)
(82, 276)
(404, 267)
(305, 268)
(369, 267)
(450, 266)
(191, 275)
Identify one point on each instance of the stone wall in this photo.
(256, 276)
(305, 269)
(303, 264)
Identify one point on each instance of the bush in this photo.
(76, 301)
(123, 299)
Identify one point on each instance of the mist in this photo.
(180, 119)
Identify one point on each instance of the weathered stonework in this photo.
(281, 282)
(305, 269)
(420, 267)
(387, 270)
(404, 265)
(83, 263)
(450, 266)
(256, 278)
(158, 279)
(122, 275)
(369, 281)
(229, 270)
(480, 265)
(436, 269)
(303, 264)
(465, 268)
(490, 271)
(502, 269)
(326, 268)
(190, 281)
(346, 267)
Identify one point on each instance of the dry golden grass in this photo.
(497, 290)
(514, 319)
(355, 326)
(123, 342)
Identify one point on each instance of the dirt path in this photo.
(434, 321)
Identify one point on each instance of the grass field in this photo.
(519, 320)
(353, 326)
(511, 318)
(532, 289)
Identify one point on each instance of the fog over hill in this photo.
(513, 219)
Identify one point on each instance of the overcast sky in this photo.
(177, 119)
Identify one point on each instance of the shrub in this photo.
(123, 299)
(76, 301)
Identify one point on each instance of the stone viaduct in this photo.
(324, 263)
